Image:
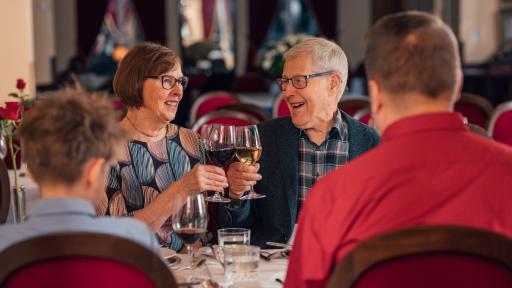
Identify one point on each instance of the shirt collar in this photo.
(424, 123)
(337, 126)
(64, 205)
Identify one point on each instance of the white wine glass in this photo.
(220, 150)
(191, 221)
(248, 151)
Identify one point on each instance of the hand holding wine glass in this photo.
(248, 151)
(219, 147)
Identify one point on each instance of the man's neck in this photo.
(61, 191)
(317, 134)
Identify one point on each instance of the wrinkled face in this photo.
(313, 106)
(159, 101)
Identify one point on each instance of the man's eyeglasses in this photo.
(300, 81)
(168, 81)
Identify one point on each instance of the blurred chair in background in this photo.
(209, 102)
(474, 107)
(82, 260)
(364, 116)
(251, 109)
(280, 107)
(428, 256)
(500, 125)
(350, 104)
(227, 117)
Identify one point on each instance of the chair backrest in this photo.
(209, 102)
(364, 115)
(280, 108)
(350, 104)
(251, 109)
(82, 260)
(428, 256)
(475, 108)
(227, 117)
(5, 193)
(500, 125)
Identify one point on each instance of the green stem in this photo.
(17, 195)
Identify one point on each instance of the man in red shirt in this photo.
(428, 169)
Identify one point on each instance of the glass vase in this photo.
(18, 202)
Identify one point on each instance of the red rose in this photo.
(12, 110)
(20, 84)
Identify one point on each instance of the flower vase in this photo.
(3, 147)
(18, 201)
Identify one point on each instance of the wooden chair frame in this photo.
(224, 113)
(421, 240)
(5, 190)
(204, 97)
(85, 245)
(502, 108)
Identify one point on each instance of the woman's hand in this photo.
(203, 178)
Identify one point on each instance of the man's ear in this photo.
(335, 84)
(93, 170)
(375, 96)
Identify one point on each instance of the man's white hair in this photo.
(326, 54)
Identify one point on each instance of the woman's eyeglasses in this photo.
(168, 81)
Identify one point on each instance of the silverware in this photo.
(280, 245)
(192, 266)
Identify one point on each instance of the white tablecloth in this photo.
(268, 272)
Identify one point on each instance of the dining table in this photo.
(271, 272)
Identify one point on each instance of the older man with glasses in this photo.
(299, 149)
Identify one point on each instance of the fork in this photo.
(194, 265)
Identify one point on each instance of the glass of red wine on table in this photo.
(191, 222)
(219, 142)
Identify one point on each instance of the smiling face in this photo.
(159, 101)
(312, 107)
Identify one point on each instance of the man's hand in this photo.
(241, 177)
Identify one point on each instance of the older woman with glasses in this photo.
(160, 165)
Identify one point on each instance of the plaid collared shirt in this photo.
(315, 161)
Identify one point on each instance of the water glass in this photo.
(241, 262)
(228, 236)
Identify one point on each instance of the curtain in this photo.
(262, 13)
(325, 14)
(208, 11)
(90, 18)
(152, 19)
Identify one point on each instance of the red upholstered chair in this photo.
(500, 125)
(280, 107)
(364, 115)
(428, 256)
(251, 83)
(227, 117)
(251, 109)
(475, 108)
(350, 104)
(209, 102)
(5, 193)
(82, 260)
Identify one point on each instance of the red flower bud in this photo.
(20, 84)
(12, 110)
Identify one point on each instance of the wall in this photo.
(44, 40)
(478, 29)
(16, 51)
(65, 32)
(352, 26)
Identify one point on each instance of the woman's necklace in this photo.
(143, 133)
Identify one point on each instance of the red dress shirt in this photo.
(429, 169)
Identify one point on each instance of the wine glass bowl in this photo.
(248, 151)
(191, 221)
(219, 143)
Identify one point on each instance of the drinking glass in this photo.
(228, 236)
(248, 151)
(220, 150)
(241, 262)
(191, 221)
